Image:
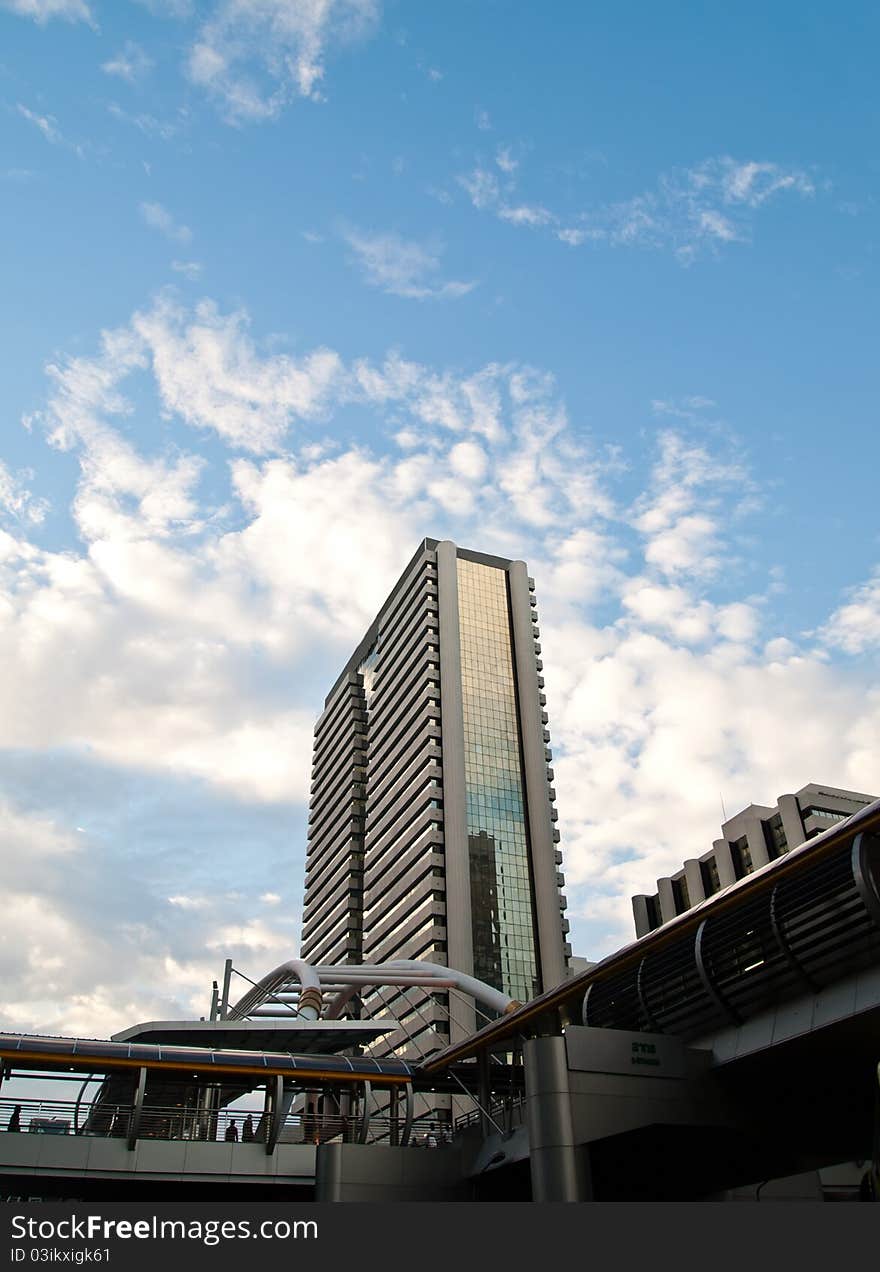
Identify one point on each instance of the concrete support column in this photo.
(724, 862)
(551, 940)
(559, 1168)
(640, 915)
(459, 933)
(328, 1172)
(694, 879)
(666, 899)
(485, 1091)
(792, 824)
(757, 843)
(224, 997)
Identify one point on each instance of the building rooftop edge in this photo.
(426, 545)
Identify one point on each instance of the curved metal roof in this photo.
(37, 1051)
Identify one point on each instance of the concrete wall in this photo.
(375, 1172)
(86, 1155)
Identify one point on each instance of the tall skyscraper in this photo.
(432, 831)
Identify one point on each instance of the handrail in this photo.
(107, 1120)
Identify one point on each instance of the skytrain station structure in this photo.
(733, 1051)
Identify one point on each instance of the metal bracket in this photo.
(408, 1116)
(863, 879)
(364, 1128)
(135, 1124)
(712, 990)
(276, 1085)
(782, 941)
(642, 997)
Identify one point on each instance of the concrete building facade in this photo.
(749, 840)
(432, 827)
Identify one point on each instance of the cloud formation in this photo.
(17, 501)
(47, 125)
(402, 267)
(255, 56)
(42, 10)
(691, 211)
(131, 63)
(159, 218)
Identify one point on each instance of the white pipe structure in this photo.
(490, 997)
(423, 975)
(291, 995)
(282, 1003)
(310, 999)
(347, 979)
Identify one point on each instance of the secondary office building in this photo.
(432, 830)
(748, 841)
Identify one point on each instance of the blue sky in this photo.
(288, 285)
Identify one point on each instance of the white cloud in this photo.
(253, 937)
(469, 461)
(47, 124)
(753, 183)
(402, 267)
(677, 514)
(17, 501)
(148, 124)
(131, 63)
(691, 211)
(209, 373)
(255, 56)
(42, 10)
(482, 187)
(686, 408)
(526, 214)
(650, 733)
(189, 269)
(169, 604)
(169, 8)
(159, 218)
(90, 948)
(668, 608)
(855, 626)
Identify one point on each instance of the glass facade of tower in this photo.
(501, 890)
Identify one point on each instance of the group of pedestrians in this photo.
(248, 1133)
(432, 1137)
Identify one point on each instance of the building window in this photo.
(652, 905)
(827, 814)
(504, 943)
(709, 875)
(742, 858)
(680, 894)
(774, 837)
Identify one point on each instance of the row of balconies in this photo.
(548, 755)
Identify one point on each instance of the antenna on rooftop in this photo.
(723, 809)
